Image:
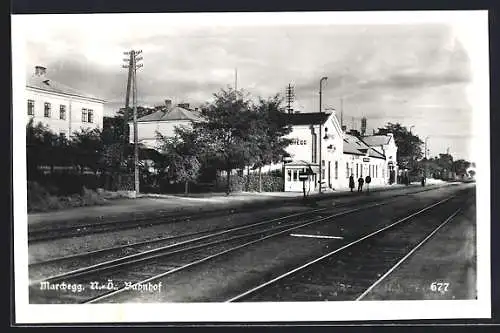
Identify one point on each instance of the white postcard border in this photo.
(477, 24)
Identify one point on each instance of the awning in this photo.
(303, 164)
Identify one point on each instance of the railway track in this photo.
(352, 271)
(166, 260)
(109, 256)
(40, 234)
(149, 265)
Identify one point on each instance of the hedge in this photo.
(250, 183)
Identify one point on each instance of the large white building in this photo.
(342, 154)
(63, 109)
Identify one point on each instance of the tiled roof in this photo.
(377, 140)
(175, 113)
(356, 146)
(43, 83)
(310, 118)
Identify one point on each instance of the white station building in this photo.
(342, 154)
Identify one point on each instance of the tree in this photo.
(226, 131)
(87, 149)
(460, 167)
(128, 113)
(409, 144)
(116, 148)
(44, 148)
(270, 129)
(180, 156)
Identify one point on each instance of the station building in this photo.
(342, 154)
(61, 108)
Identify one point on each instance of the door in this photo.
(329, 174)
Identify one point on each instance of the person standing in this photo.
(368, 180)
(351, 182)
(360, 184)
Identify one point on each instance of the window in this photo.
(347, 170)
(31, 107)
(314, 149)
(46, 110)
(62, 112)
(91, 116)
(356, 170)
(323, 173)
(376, 171)
(383, 172)
(336, 170)
(289, 175)
(85, 115)
(295, 175)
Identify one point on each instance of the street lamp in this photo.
(425, 156)
(324, 78)
(425, 151)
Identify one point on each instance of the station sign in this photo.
(302, 176)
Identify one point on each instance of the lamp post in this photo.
(324, 78)
(425, 156)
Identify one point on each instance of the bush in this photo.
(270, 183)
(250, 183)
(237, 183)
(41, 200)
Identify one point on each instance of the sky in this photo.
(415, 72)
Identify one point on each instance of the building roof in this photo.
(356, 146)
(377, 140)
(174, 113)
(43, 83)
(309, 118)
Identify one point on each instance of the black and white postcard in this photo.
(251, 167)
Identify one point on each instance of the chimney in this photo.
(344, 128)
(168, 103)
(40, 71)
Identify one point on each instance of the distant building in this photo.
(163, 121)
(63, 109)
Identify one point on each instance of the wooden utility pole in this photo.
(132, 81)
(290, 97)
